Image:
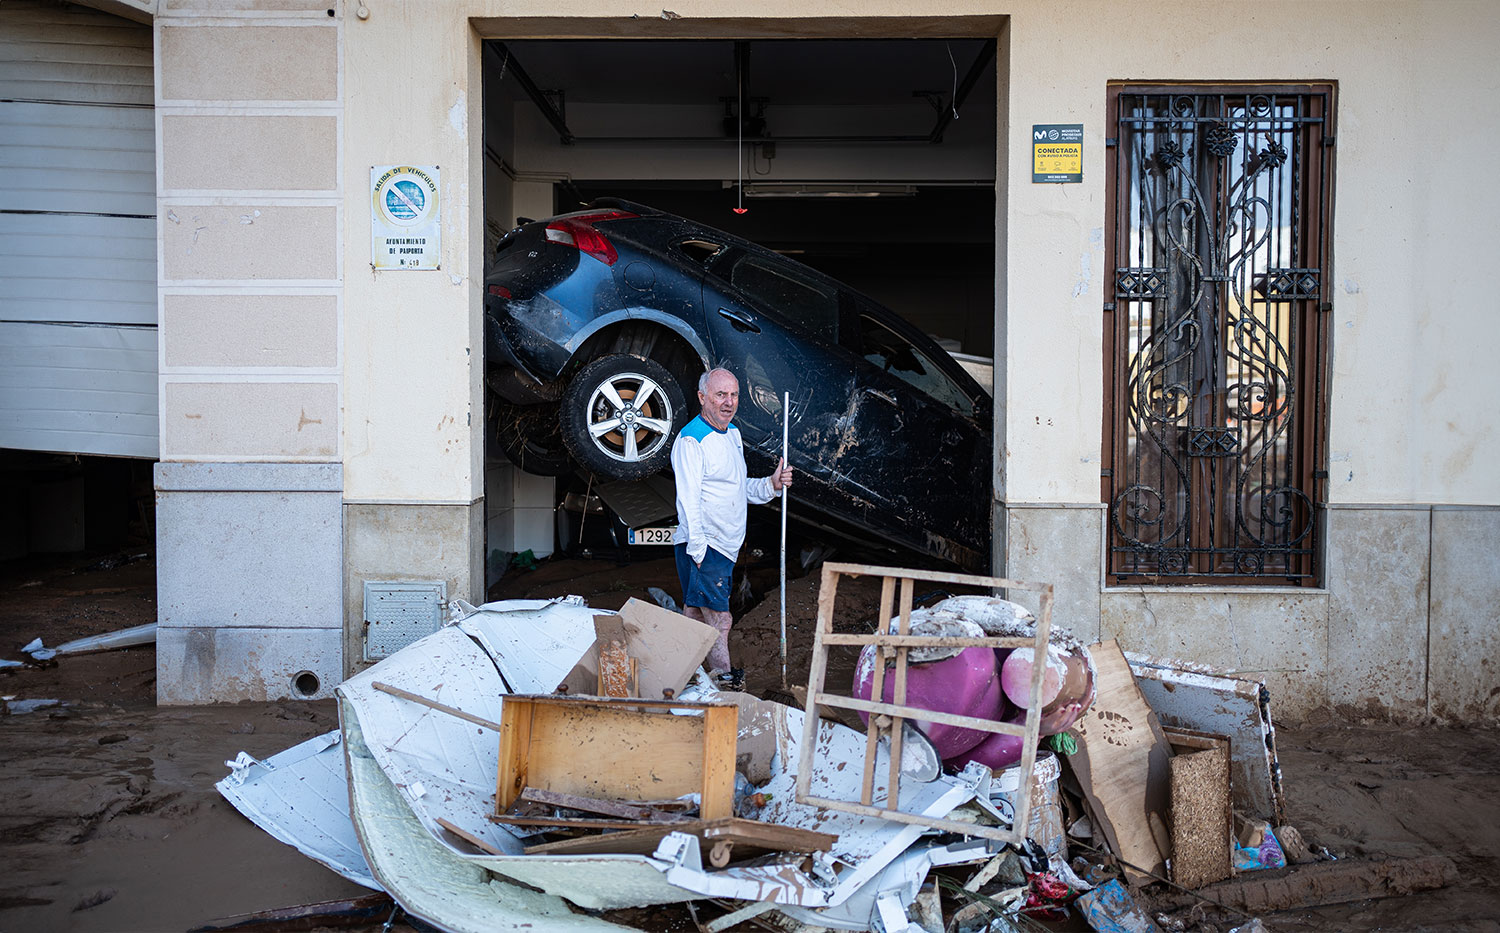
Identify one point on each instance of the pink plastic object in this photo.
(1073, 700)
(998, 750)
(967, 684)
(1015, 676)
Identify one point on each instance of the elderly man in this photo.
(708, 459)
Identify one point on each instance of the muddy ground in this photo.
(109, 820)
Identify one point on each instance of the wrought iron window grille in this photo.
(1215, 365)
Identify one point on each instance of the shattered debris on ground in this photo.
(481, 799)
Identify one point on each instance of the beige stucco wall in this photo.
(1413, 230)
(412, 387)
(1411, 324)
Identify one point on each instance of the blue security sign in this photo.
(1056, 153)
(405, 232)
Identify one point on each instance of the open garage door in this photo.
(871, 161)
(78, 364)
(78, 348)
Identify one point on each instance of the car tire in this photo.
(530, 437)
(611, 392)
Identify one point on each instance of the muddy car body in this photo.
(599, 323)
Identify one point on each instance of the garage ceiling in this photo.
(912, 81)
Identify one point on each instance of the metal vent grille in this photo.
(397, 614)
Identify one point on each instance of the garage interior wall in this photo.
(1413, 519)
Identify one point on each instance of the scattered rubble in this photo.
(537, 761)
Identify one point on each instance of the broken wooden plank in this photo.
(434, 704)
(1122, 763)
(749, 837)
(615, 808)
(874, 727)
(573, 822)
(469, 837)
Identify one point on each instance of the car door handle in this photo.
(740, 321)
(886, 397)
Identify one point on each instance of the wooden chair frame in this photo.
(898, 645)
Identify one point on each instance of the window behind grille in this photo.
(1215, 375)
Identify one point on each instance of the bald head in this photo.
(718, 397)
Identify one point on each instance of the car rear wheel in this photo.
(619, 415)
(530, 437)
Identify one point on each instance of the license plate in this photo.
(651, 535)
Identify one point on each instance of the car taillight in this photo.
(578, 230)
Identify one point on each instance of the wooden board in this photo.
(1202, 819)
(618, 750)
(749, 837)
(1122, 763)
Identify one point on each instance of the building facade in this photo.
(322, 420)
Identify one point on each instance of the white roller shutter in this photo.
(77, 232)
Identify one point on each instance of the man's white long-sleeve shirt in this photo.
(712, 489)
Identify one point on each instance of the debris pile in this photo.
(537, 762)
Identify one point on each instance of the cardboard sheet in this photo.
(1123, 765)
(668, 647)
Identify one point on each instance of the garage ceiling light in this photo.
(792, 190)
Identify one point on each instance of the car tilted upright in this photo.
(599, 323)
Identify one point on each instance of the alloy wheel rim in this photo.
(629, 417)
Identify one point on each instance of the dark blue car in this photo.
(599, 322)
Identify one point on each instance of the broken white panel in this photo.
(442, 765)
(301, 797)
(867, 843)
(902, 878)
(1190, 696)
(123, 638)
(428, 879)
(777, 880)
(534, 642)
(593, 882)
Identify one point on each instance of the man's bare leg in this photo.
(718, 655)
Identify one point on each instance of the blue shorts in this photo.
(706, 586)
